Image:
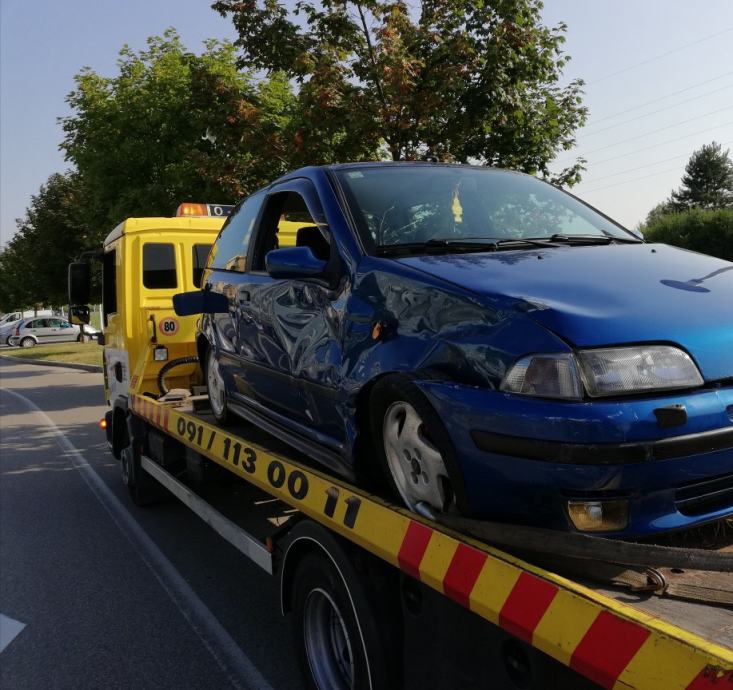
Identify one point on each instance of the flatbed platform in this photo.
(613, 637)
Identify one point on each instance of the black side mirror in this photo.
(80, 282)
(79, 314)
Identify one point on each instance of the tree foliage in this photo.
(707, 182)
(172, 126)
(709, 231)
(33, 266)
(459, 79)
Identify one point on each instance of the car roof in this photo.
(335, 167)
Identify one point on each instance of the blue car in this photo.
(476, 340)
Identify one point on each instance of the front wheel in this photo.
(413, 445)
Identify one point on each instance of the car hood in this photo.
(610, 294)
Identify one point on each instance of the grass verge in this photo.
(80, 353)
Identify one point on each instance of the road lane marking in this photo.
(9, 630)
(229, 656)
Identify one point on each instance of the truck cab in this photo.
(145, 261)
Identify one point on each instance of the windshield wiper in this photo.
(453, 245)
(590, 239)
(524, 242)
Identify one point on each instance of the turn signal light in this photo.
(103, 423)
(599, 516)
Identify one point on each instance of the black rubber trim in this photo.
(604, 453)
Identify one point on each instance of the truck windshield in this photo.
(415, 203)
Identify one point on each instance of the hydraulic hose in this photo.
(171, 365)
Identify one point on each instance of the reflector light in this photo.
(103, 423)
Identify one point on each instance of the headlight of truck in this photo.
(605, 372)
(615, 371)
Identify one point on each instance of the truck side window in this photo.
(230, 249)
(159, 266)
(200, 254)
(109, 284)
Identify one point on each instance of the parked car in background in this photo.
(8, 326)
(484, 340)
(48, 329)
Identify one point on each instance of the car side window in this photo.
(229, 252)
(287, 222)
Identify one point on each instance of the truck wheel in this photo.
(144, 490)
(413, 445)
(333, 636)
(216, 390)
(27, 342)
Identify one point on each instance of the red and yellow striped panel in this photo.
(614, 644)
(605, 644)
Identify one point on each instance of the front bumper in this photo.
(522, 459)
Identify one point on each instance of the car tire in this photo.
(7, 340)
(216, 389)
(338, 640)
(413, 447)
(27, 342)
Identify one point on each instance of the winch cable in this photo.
(692, 574)
(589, 547)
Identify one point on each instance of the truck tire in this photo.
(336, 635)
(144, 490)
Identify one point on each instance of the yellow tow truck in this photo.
(380, 597)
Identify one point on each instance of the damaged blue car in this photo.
(476, 340)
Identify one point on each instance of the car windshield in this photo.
(419, 204)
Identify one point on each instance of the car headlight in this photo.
(602, 372)
(615, 371)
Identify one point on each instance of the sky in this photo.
(658, 73)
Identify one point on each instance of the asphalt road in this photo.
(111, 595)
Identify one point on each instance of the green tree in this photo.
(661, 209)
(33, 266)
(707, 182)
(174, 126)
(708, 231)
(471, 81)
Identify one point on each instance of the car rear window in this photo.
(159, 266)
